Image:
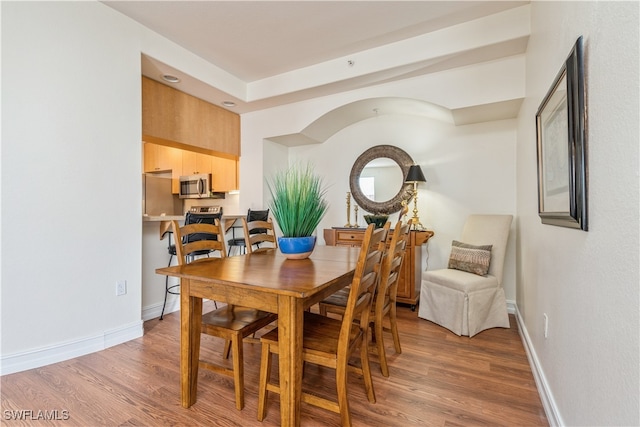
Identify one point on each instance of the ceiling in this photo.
(282, 52)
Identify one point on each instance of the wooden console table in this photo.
(411, 278)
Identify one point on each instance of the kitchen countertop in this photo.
(156, 218)
(227, 220)
(152, 218)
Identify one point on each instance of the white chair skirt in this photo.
(468, 304)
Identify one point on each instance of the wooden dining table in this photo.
(266, 281)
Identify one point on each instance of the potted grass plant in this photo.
(298, 205)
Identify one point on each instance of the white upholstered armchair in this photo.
(467, 297)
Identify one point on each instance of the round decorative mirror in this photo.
(395, 163)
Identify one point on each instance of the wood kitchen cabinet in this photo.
(195, 163)
(224, 174)
(411, 277)
(176, 118)
(159, 158)
(224, 171)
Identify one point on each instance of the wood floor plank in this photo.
(440, 379)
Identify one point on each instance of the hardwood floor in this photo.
(440, 379)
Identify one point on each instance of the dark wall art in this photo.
(561, 140)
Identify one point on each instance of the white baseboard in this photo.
(68, 350)
(155, 310)
(549, 404)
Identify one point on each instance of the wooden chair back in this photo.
(266, 235)
(363, 289)
(186, 247)
(386, 295)
(385, 301)
(390, 272)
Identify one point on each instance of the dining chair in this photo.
(467, 296)
(384, 304)
(240, 241)
(190, 218)
(331, 342)
(257, 233)
(232, 323)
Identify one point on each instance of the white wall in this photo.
(586, 282)
(71, 158)
(71, 177)
(469, 169)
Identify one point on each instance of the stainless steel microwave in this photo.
(195, 186)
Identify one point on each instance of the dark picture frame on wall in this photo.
(561, 141)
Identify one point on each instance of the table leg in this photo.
(290, 325)
(190, 317)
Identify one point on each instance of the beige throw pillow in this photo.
(470, 258)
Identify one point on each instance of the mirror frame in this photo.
(393, 205)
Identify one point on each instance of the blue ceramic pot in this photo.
(297, 247)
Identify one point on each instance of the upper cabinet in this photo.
(224, 171)
(187, 135)
(161, 158)
(224, 174)
(175, 118)
(195, 163)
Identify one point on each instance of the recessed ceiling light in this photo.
(169, 78)
(228, 103)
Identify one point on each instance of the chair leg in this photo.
(366, 370)
(394, 329)
(166, 289)
(341, 387)
(322, 309)
(238, 370)
(227, 349)
(265, 375)
(384, 368)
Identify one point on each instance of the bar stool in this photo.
(190, 218)
(262, 215)
(236, 241)
(171, 248)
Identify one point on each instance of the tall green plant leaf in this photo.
(297, 200)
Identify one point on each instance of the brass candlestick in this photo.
(414, 176)
(414, 222)
(356, 224)
(348, 224)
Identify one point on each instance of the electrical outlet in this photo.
(121, 287)
(546, 324)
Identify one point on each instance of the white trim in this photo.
(549, 404)
(154, 310)
(123, 334)
(68, 350)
